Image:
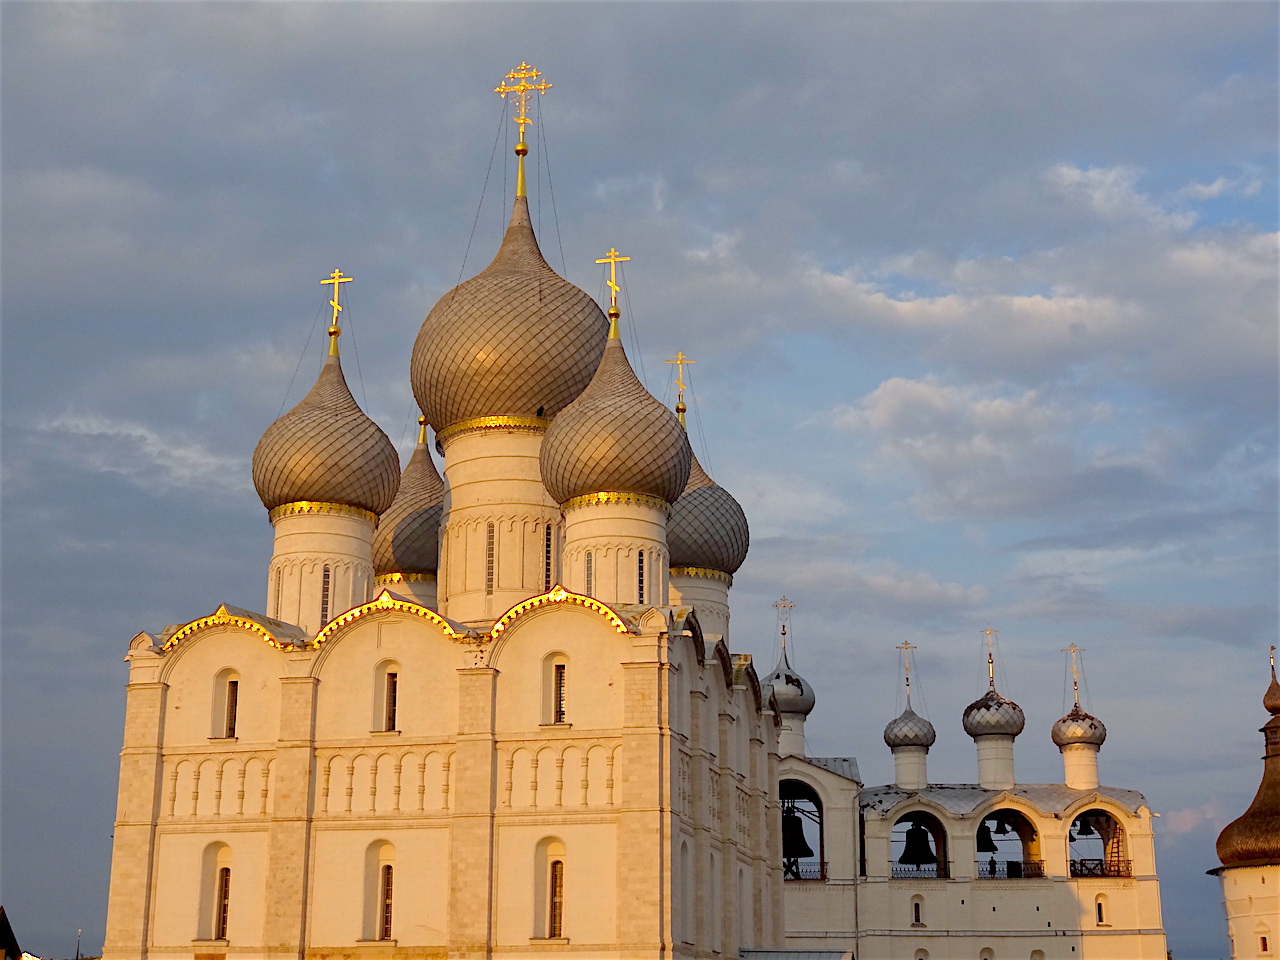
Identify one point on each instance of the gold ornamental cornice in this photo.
(382, 603)
(224, 618)
(479, 424)
(383, 579)
(616, 496)
(557, 594)
(706, 572)
(300, 507)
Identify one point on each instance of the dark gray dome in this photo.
(707, 527)
(909, 730)
(791, 691)
(993, 715)
(408, 536)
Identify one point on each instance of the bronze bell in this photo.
(1002, 828)
(985, 843)
(916, 851)
(1085, 829)
(794, 845)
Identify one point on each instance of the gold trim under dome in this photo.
(384, 578)
(521, 424)
(703, 572)
(611, 496)
(299, 507)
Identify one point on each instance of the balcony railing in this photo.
(924, 871)
(1009, 869)
(804, 871)
(1102, 868)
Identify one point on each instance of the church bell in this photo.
(1085, 829)
(917, 851)
(985, 842)
(794, 845)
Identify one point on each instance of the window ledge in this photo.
(380, 733)
(389, 943)
(562, 725)
(918, 925)
(209, 943)
(554, 940)
(218, 740)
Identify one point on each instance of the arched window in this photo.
(717, 920)
(215, 898)
(802, 839)
(918, 847)
(686, 926)
(379, 890)
(547, 543)
(1008, 846)
(555, 688)
(279, 588)
(386, 696)
(1263, 946)
(987, 954)
(549, 890)
(922, 954)
(917, 911)
(326, 586)
(640, 576)
(591, 574)
(1100, 909)
(1037, 955)
(489, 556)
(1098, 846)
(226, 704)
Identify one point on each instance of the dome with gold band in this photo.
(408, 537)
(326, 449)
(516, 340)
(707, 527)
(616, 437)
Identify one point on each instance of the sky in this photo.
(982, 299)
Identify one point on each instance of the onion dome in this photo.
(516, 340)
(707, 527)
(326, 449)
(616, 437)
(909, 730)
(791, 691)
(408, 536)
(1253, 840)
(1079, 727)
(993, 715)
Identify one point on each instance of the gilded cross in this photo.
(906, 646)
(613, 258)
(335, 278)
(990, 644)
(1072, 649)
(680, 362)
(784, 608)
(523, 74)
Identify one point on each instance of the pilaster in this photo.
(471, 847)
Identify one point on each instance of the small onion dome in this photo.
(1079, 727)
(993, 715)
(616, 437)
(707, 527)
(326, 449)
(791, 691)
(1254, 838)
(408, 535)
(909, 730)
(515, 340)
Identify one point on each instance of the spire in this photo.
(680, 361)
(909, 729)
(613, 258)
(1253, 839)
(336, 278)
(521, 91)
(1077, 726)
(992, 714)
(790, 690)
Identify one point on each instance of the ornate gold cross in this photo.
(680, 362)
(523, 73)
(335, 278)
(613, 258)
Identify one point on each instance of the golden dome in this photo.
(408, 535)
(1253, 839)
(326, 449)
(615, 438)
(515, 340)
(707, 527)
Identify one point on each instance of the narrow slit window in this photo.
(384, 902)
(640, 576)
(223, 905)
(326, 583)
(392, 688)
(915, 913)
(279, 589)
(488, 560)
(558, 693)
(546, 558)
(555, 915)
(1101, 913)
(233, 696)
(591, 579)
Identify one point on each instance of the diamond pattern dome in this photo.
(326, 449)
(993, 715)
(1079, 727)
(791, 691)
(909, 730)
(408, 535)
(707, 527)
(615, 437)
(514, 340)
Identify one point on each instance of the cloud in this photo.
(1112, 194)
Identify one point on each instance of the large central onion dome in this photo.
(326, 449)
(408, 537)
(615, 438)
(909, 729)
(1079, 727)
(707, 527)
(516, 340)
(993, 715)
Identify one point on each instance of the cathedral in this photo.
(498, 711)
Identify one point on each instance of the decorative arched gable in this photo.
(386, 603)
(557, 594)
(222, 617)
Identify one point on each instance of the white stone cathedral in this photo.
(497, 713)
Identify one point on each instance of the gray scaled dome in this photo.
(326, 449)
(993, 715)
(1079, 727)
(791, 691)
(707, 527)
(516, 340)
(408, 536)
(909, 730)
(616, 437)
